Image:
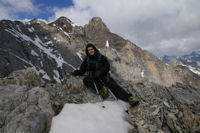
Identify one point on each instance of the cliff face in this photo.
(97, 32)
(28, 104)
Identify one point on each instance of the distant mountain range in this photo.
(192, 61)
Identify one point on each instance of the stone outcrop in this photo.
(97, 32)
(27, 105)
(166, 109)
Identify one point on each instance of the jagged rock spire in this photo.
(96, 24)
(98, 33)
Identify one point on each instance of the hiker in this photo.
(98, 68)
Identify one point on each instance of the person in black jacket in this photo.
(98, 67)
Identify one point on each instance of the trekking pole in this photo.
(116, 99)
(98, 93)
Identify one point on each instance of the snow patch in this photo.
(49, 42)
(45, 75)
(19, 28)
(42, 72)
(34, 53)
(28, 23)
(74, 25)
(142, 74)
(65, 32)
(90, 118)
(31, 29)
(41, 64)
(79, 55)
(37, 42)
(194, 70)
(25, 21)
(107, 44)
(56, 76)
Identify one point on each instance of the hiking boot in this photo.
(132, 102)
(103, 92)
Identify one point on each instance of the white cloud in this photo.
(3, 13)
(163, 27)
(80, 16)
(9, 9)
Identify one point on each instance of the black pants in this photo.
(117, 90)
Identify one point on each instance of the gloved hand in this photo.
(74, 73)
(97, 73)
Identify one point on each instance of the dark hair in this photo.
(96, 51)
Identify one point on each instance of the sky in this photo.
(162, 27)
(91, 118)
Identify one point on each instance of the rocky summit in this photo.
(36, 59)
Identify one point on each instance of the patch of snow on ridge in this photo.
(40, 45)
(142, 74)
(107, 44)
(31, 29)
(194, 70)
(91, 118)
(34, 53)
(56, 76)
(74, 25)
(79, 55)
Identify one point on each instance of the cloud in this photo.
(162, 27)
(10, 9)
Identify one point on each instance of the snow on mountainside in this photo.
(91, 118)
(37, 45)
(54, 50)
(192, 60)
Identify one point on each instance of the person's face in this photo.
(90, 50)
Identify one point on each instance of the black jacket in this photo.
(94, 63)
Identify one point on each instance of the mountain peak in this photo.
(38, 21)
(98, 33)
(97, 24)
(96, 19)
(64, 19)
(66, 24)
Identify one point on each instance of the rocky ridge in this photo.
(28, 104)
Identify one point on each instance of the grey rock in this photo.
(24, 110)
